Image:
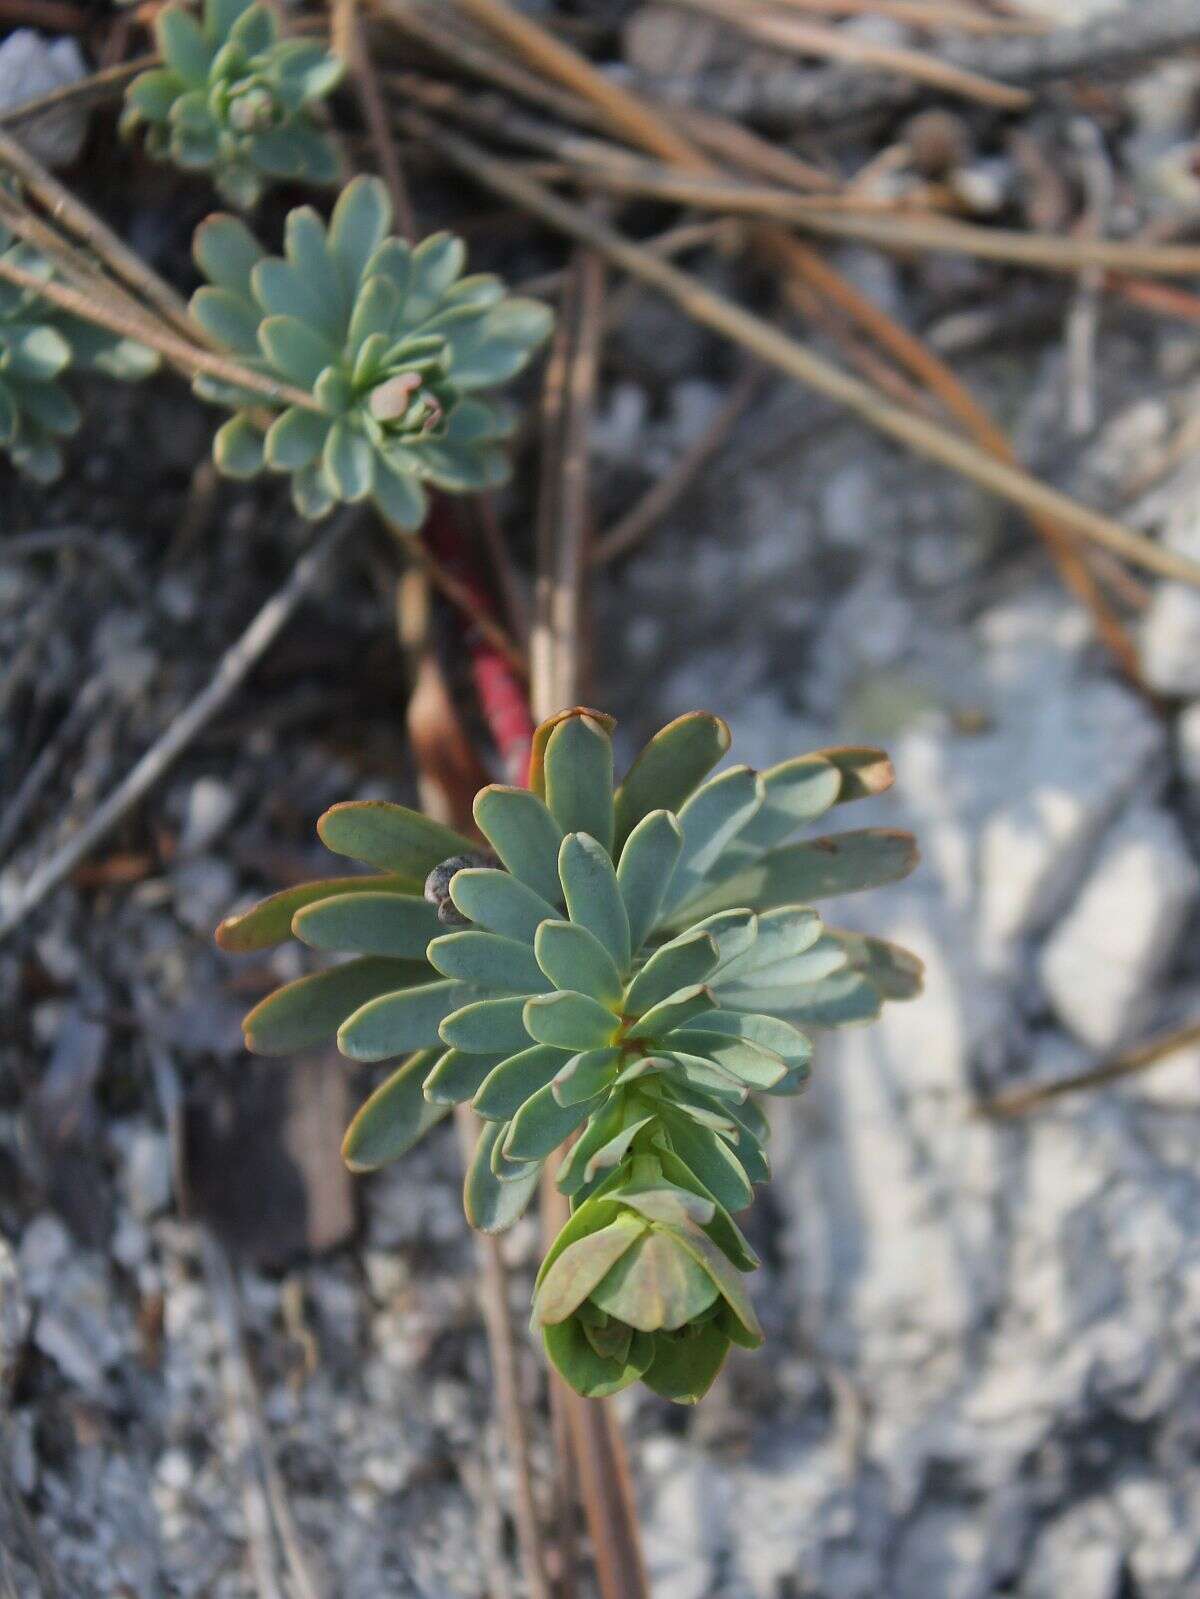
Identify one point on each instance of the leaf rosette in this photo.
(39, 344)
(234, 98)
(629, 969)
(392, 342)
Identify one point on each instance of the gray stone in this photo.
(1079, 1553)
(14, 1318)
(211, 804)
(146, 1172)
(29, 68)
(1102, 965)
(1170, 629)
(1187, 745)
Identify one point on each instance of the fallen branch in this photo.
(788, 99)
(641, 519)
(838, 44)
(771, 345)
(1127, 1064)
(234, 667)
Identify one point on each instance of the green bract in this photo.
(392, 343)
(233, 98)
(38, 345)
(628, 969)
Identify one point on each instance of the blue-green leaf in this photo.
(369, 924)
(359, 225)
(513, 1081)
(296, 351)
(393, 1119)
(669, 768)
(182, 45)
(593, 898)
(227, 252)
(644, 872)
(457, 1076)
(492, 1205)
(499, 902)
(578, 766)
(238, 447)
(389, 836)
(541, 1125)
(569, 1021)
(571, 957)
(685, 961)
(487, 1025)
(295, 439)
(524, 834)
(585, 1075)
(310, 1010)
(489, 960)
(395, 1023)
(711, 820)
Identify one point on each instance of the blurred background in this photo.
(982, 1374)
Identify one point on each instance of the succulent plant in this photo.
(234, 98)
(392, 343)
(38, 346)
(626, 970)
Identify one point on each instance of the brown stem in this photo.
(498, 1320)
(596, 1445)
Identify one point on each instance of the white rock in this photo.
(14, 1317)
(1079, 1553)
(684, 1525)
(210, 807)
(146, 1175)
(1102, 964)
(944, 1553)
(1187, 744)
(1170, 629)
(29, 68)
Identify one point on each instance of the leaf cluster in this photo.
(39, 344)
(392, 342)
(634, 967)
(234, 98)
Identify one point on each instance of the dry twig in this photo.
(641, 519)
(1127, 1064)
(774, 347)
(838, 44)
(232, 670)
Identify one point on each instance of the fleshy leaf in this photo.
(270, 921)
(393, 1119)
(395, 1023)
(389, 836)
(310, 1010)
(669, 768)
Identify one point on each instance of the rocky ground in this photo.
(231, 1371)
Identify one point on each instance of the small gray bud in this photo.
(437, 885)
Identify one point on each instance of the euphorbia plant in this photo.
(233, 97)
(391, 346)
(623, 969)
(39, 344)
